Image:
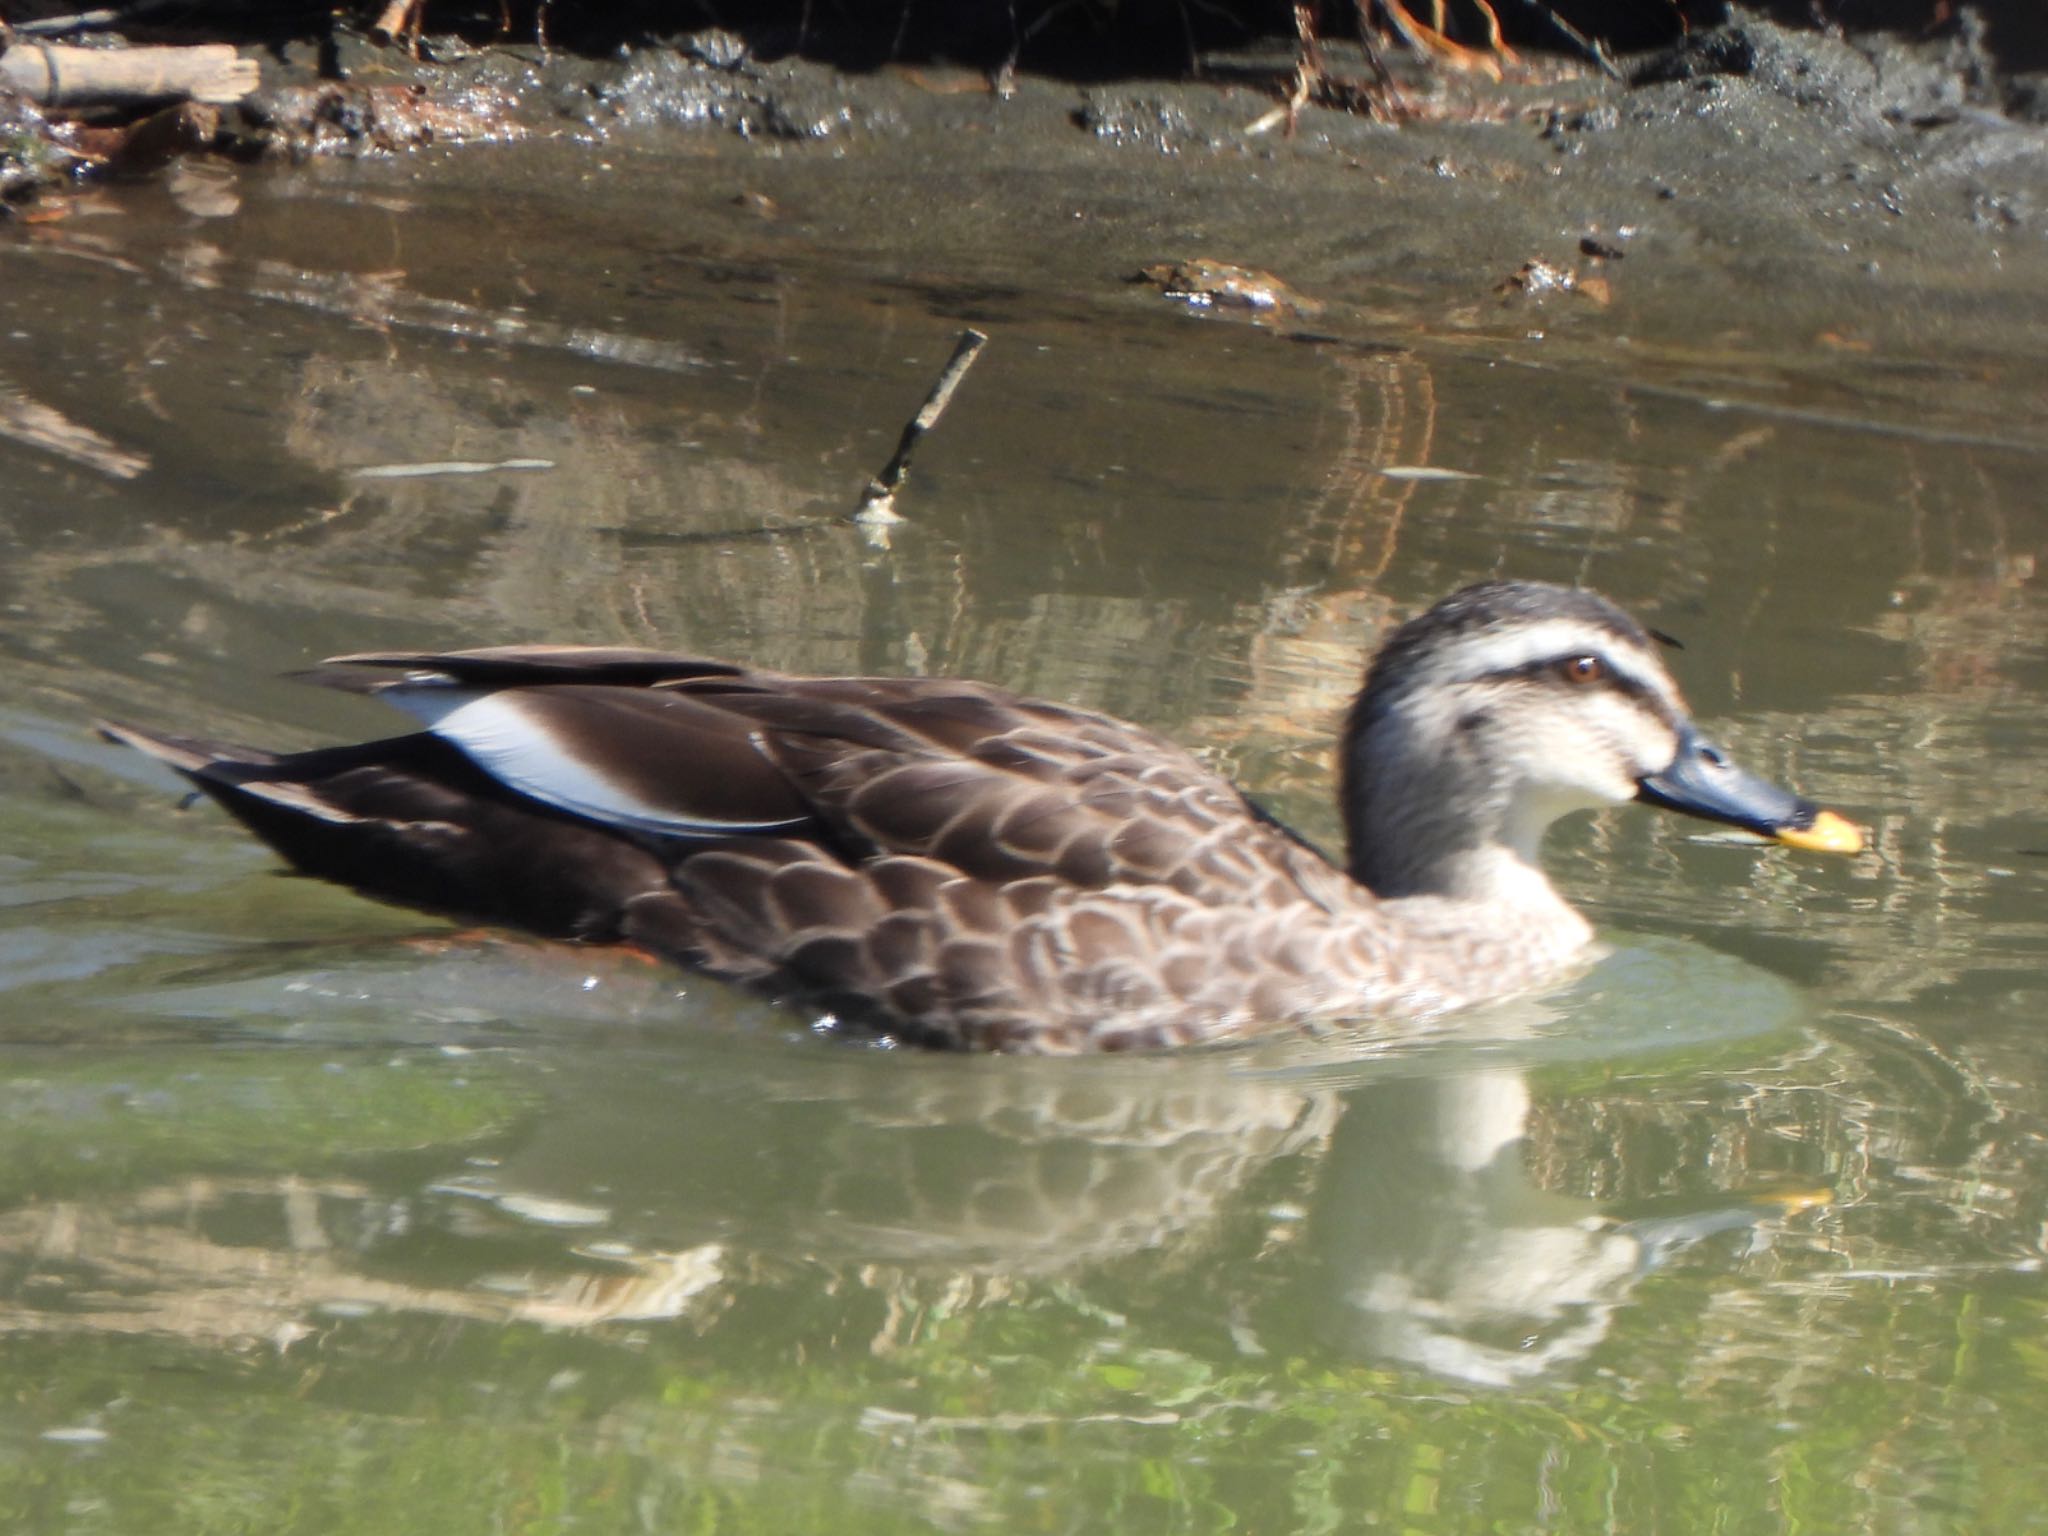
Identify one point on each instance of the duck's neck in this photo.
(1504, 882)
(1430, 826)
(1488, 924)
(1491, 885)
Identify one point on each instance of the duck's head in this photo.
(1510, 704)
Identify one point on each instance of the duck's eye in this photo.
(1582, 670)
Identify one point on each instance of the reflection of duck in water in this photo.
(958, 866)
(1439, 1251)
(963, 1168)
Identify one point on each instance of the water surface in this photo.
(319, 1217)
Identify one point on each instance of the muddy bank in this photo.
(1757, 189)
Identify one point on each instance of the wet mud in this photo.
(1751, 181)
(1753, 188)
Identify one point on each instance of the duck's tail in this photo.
(410, 820)
(190, 755)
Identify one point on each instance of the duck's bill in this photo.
(1701, 781)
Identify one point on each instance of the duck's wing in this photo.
(993, 785)
(585, 729)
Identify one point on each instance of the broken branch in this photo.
(51, 75)
(878, 502)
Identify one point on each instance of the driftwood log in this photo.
(55, 77)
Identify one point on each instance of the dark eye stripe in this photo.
(1548, 669)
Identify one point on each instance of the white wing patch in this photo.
(501, 738)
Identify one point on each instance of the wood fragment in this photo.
(28, 421)
(400, 21)
(1496, 43)
(878, 502)
(51, 75)
(390, 22)
(1433, 45)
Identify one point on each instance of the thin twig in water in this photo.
(877, 510)
(877, 507)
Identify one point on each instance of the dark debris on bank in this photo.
(121, 88)
(1084, 38)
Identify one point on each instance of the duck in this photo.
(940, 862)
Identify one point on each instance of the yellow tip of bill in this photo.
(1795, 1198)
(1828, 833)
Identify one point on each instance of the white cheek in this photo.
(1563, 796)
(1652, 744)
(1594, 757)
(1585, 761)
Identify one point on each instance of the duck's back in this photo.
(1009, 874)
